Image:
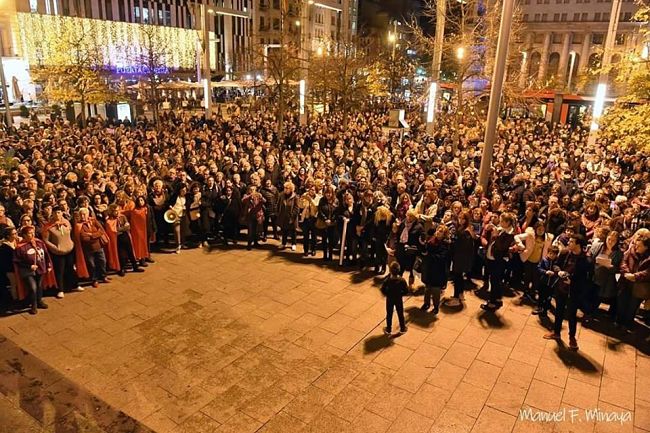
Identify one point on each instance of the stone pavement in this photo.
(241, 342)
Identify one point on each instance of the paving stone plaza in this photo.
(265, 341)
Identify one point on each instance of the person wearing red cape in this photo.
(120, 246)
(92, 240)
(31, 261)
(142, 231)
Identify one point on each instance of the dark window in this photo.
(88, 9)
(597, 38)
(597, 16)
(576, 16)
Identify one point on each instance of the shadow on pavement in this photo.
(376, 343)
(423, 319)
(39, 388)
(489, 319)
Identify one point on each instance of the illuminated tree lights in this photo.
(120, 44)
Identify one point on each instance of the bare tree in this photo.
(471, 34)
(153, 55)
(283, 61)
(341, 77)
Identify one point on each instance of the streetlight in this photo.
(460, 53)
(571, 65)
(205, 12)
(601, 90)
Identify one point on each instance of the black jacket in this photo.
(435, 263)
(394, 288)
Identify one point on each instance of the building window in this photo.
(576, 17)
(276, 4)
(544, 18)
(276, 23)
(578, 38)
(33, 6)
(525, 18)
(556, 17)
(136, 14)
(605, 16)
(145, 15)
(557, 38)
(620, 39)
(537, 16)
(563, 17)
(109, 9)
(597, 38)
(597, 16)
(88, 9)
(333, 20)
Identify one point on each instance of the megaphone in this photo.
(171, 216)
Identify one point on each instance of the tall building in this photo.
(559, 33)
(316, 22)
(25, 24)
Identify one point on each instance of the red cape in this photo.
(138, 220)
(21, 290)
(80, 260)
(112, 253)
(49, 279)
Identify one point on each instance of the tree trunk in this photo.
(83, 111)
(279, 117)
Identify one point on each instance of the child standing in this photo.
(547, 268)
(394, 287)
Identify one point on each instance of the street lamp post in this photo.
(441, 11)
(571, 66)
(205, 11)
(495, 92)
(3, 82)
(601, 90)
(207, 74)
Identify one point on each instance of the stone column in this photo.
(543, 61)
(584, 54)
(564, 58)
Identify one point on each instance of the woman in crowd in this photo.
(435, 267)
(409, 241)
(533, 245)
(57, 235)
(635, 281)
(326, 221)
(32, 262)
(7, 274)
(463, 249)
(606, 258)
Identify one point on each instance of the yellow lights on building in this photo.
(119, 42)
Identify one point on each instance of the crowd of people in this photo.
(560, 219)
